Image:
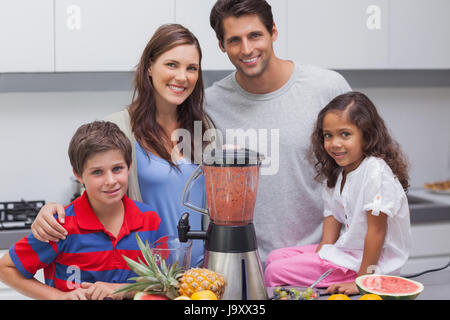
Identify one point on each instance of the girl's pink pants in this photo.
(301, 266)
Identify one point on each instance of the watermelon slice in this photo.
(146, 296)
(389, 287)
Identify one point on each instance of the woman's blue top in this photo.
(162, 186)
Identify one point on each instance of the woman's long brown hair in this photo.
(377, 141)
(148, 133)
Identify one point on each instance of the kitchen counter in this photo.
(8, 237)
(431, 196)
(436, 286)
(426, 206)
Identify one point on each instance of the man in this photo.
(276, 102)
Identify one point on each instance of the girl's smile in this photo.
(343, 140)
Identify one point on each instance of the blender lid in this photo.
(232, 157)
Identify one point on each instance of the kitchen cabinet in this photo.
(420, 34)
(26, 33)
(106, 35)
(344, 34)
(194, 14)
(109, 35)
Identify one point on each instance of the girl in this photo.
(366, 226)
(168, 95)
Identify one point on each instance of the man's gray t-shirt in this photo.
(288, 210)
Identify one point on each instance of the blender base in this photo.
(242, 271)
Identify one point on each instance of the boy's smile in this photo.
(105, 177)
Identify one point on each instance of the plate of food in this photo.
(440, 187)
(293, 293)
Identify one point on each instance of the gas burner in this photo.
(19, 214)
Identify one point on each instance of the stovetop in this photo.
(18, 214)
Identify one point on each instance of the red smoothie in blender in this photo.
(231, 193)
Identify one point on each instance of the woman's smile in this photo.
(174, 75)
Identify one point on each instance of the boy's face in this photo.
(248, 44)
(105, 177)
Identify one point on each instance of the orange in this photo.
(338, 296)
(204, 295)
(370, 296)
(182, 298)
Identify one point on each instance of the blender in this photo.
(231, 181)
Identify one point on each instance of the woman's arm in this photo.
(31, 287)
(330, 231)
(45, 227)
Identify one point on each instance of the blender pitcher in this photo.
(231, 180)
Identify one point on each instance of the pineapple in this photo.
(170, 282)
(198, 279)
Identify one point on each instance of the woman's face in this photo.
(175, 74)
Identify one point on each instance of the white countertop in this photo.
(429, 195)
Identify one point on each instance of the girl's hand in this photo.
(100, 290)
(45, 227)
(347, 288)
(77, 294)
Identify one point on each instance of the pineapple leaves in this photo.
(138, 286)
(152, 278)
(138, 268)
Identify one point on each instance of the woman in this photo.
(168, 96)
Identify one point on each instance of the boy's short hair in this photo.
(236, 8)
(95, 137)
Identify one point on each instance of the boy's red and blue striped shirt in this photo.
(89, 253)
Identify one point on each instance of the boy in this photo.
(101, 226)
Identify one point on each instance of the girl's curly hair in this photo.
(376, 138)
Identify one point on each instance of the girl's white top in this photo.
(370, 187)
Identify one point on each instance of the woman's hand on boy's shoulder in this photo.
(45, 227)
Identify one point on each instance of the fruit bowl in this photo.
(292, 293)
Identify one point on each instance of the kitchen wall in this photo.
(40, 112)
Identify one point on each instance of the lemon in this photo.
(370, 296)
(204, 295)
(182, 298)
(338, 296)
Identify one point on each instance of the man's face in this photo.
(248, 44)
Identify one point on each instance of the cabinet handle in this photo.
(73, 21)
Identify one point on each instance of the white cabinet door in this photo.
(106, 35)
(344, 34)
(420, 34)
(26, 36)
(194, 14)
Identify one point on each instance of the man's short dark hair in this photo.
(236, 8)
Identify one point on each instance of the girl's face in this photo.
(343, 140)
(175, 74)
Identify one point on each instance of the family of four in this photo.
(337, 199)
